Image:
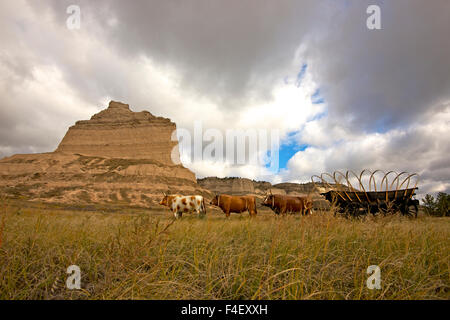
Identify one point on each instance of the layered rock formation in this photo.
(234, 185)
(118, 132)
(117, 156)
(245, 186)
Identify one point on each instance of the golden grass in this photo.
(146, 255)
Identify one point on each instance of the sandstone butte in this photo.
(118, 156)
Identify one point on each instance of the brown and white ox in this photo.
(179, 204)
(236, 204)
(288, 204)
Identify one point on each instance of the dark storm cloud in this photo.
(225, 50)
(379, 79)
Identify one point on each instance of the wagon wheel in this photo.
(357, 209)
(373, 209)
(410, 210)
(342, 211)
(362, 209)
(386, 208)
(413, 210)
(353, 211)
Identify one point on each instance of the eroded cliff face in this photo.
(117, 156)
(118, 132)
(246, 186)
(234, 185)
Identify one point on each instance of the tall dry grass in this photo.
(142, 255)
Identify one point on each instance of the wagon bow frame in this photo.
(357, 199)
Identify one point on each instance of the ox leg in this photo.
(178, 214)
(226, 209)
(201, 213)
(203, 209)
(255, 212)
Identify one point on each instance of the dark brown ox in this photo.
(237, 204)
(288, 204)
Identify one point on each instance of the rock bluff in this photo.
(118, 132)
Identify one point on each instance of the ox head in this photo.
(215, 200)
(165, 200)
(268, 199)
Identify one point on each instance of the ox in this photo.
(288, 204)
(237, 204)
(179, 204)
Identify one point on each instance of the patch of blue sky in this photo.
(287, 151)
(318, 116)
(382, 124)
(316, 98)
(288, 148)
(301, 75)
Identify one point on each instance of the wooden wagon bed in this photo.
(356, 203)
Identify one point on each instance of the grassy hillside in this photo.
(136, 253)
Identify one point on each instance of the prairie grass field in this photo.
(145, 254)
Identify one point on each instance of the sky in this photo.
(339, 95)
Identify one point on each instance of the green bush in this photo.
(439, 206)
